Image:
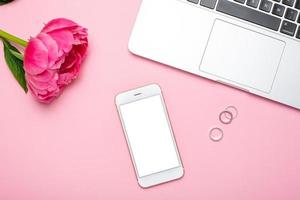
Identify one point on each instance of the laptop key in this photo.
(288, 28)
(298, 33)
(240, 1)
(278, 10)
(288, 2)
(265, 5)
(208, 3)
(297, 4)
(291, 14)
(252, 3)
(248, 14)
(194, 1)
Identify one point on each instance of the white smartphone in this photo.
(149, 136)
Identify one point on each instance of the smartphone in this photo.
(149, 136)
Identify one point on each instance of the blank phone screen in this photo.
(149, 136)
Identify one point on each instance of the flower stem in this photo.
(13, 38)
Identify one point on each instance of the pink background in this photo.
(74, 149)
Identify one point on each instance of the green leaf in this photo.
(17, 54)
(15, 64)
(5, 1)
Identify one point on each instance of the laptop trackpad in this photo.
(242, 56)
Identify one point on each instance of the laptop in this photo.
(252, 45)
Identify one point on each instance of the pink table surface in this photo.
(74, 149)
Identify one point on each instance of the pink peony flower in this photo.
(52, 59)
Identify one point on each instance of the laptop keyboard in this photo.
(277, 15)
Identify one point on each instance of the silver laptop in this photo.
(253, 45)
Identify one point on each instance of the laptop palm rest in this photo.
(242, 57)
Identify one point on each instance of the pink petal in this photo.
(80, 30)
(59, 23)
(46, 76)
(36, 91)
(80, 35)
(64, 39)
(52, 47)
(45, 96)
(58, 63)
(36, 57)
(66, 77)
(50, 85)
(81, 49)
(70, 60)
